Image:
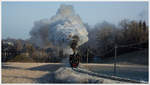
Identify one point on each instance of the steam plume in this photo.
(60, 30)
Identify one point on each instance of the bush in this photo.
(21, 58)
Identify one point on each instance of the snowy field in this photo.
(57, 73)
(134, 72)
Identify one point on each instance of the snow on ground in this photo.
(68, 75)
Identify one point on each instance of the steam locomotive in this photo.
(74, 60)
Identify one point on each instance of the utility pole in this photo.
(87, 56)
(115, 59)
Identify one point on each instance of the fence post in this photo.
(115, 57)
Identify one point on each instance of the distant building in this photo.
(8, 50)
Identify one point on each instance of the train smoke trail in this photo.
(61, 30)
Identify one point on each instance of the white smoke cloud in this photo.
(60, 29)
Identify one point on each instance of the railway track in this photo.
(81, 70)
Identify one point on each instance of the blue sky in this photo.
(18, 17)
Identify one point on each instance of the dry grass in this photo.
(27, 72)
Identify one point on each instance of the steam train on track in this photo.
(74, 60)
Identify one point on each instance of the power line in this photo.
(90, 51)
(131, 44)
(137, 48)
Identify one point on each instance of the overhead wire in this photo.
(130, 46)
